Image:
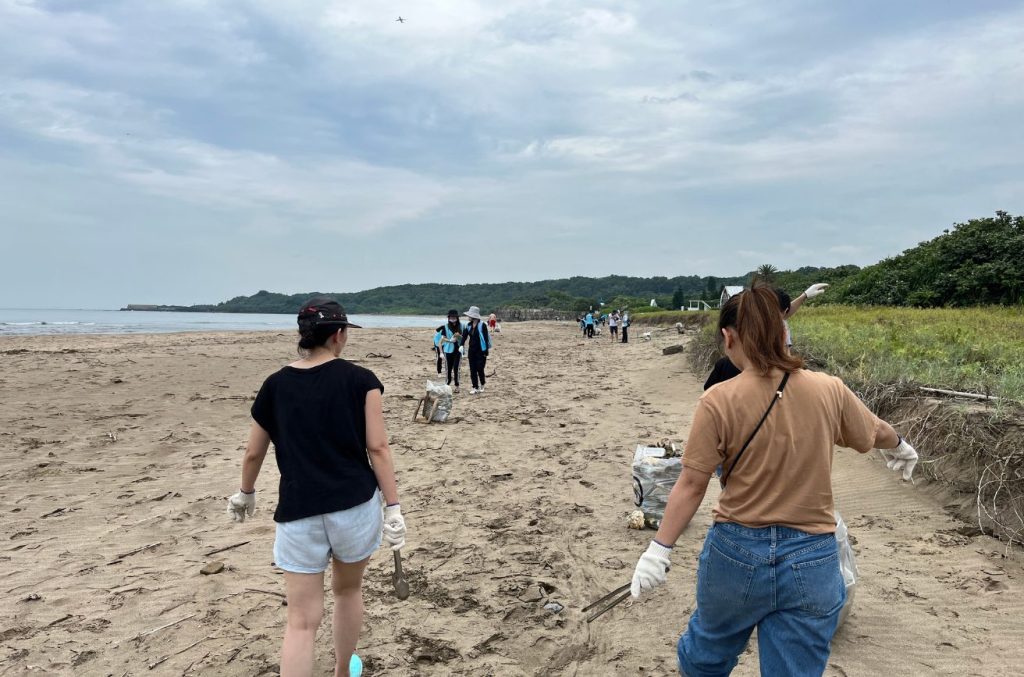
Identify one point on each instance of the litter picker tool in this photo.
(607, 603)
(398, 579)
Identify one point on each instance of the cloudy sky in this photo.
(188, 151)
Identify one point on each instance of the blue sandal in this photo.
(355, 666)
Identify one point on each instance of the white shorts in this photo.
(305, 546)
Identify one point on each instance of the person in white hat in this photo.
(479, 340)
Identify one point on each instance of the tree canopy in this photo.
(980, 262)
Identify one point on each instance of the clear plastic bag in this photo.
(847, 565)
(442, 394)
(654, 475)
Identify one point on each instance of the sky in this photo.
(189, 151)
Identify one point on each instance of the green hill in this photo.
(569, 294)
(980, 262)
(572, 294)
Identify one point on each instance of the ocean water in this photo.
(27, 322)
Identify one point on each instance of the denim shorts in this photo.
(785, 582)
(305, 546)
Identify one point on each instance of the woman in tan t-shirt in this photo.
(770, 559)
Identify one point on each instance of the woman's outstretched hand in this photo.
(902, 458)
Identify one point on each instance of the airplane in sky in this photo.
(400, 20)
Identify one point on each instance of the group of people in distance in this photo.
(769, 560)
(615, 320)
(453, 338)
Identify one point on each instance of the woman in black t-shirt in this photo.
(326, 420)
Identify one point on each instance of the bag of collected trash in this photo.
(655, 471)
(440, 393)
(847, 565)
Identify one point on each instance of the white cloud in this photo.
(568, 123)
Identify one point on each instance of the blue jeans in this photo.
(784, 582)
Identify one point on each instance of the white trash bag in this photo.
(442, 394)
(847, 565)
(655, 472)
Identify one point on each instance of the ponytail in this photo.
(755, 315)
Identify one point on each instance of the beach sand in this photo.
(118, 453)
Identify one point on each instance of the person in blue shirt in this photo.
(588, 321)
(478, 343)
(448, 342)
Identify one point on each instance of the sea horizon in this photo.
(71, 321)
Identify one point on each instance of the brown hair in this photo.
(754, 314)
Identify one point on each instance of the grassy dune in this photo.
(973, 349)
(978, 350)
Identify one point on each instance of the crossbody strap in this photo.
(775, 398)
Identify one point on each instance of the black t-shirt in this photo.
(317, 420)
(723, 371)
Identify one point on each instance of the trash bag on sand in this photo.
(655, 471)
(442, 394)
(847, 565)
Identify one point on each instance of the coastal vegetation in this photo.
(969, 349)
(980, 262)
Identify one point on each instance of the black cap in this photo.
(323, 310)
(453, 313)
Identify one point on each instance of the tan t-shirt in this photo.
(785, 475)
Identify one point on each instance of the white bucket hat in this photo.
(473, 313)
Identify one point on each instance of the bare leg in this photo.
(305, 594)
(347, 585)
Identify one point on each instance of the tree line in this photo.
(978, 262)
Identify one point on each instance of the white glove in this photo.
(240, 505)
(815, 290)
(902, 458)
(394, 527)
(652, 569)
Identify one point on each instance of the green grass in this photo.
(977, 350)
(972, 349)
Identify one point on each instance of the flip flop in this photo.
(355, 666)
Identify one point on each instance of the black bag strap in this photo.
(775, 398)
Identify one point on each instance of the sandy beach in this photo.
(118, 453)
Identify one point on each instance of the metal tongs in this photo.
(609, 603)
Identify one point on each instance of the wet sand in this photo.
(118, 453)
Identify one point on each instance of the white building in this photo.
(727, 293)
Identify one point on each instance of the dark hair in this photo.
(754, 315)
(784, 301)
(312, 335)
(320, 318)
